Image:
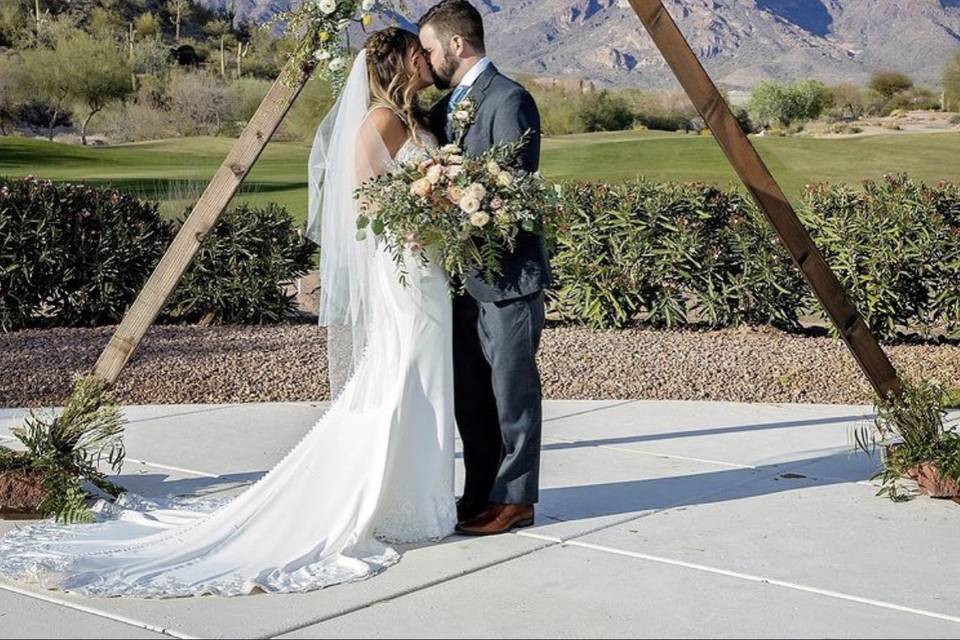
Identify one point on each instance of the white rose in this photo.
(454, 171)
(421, 188)
(451, 149)
(455, 159)
(435, 174)
(480, 219)
(322, 54)
(454, 193)
(327, 6)
(368, 4)
(337, 64)
(493, 168)
(469, 203)
(505, 179)
(461, 115)
(477, 190)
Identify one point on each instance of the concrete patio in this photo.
(657, 519)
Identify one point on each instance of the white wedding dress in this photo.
(377, 469)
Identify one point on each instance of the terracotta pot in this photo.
(20, 494)
(932, 482)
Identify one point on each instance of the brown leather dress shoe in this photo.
(470, 509)
(499, 518)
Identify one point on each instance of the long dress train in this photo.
(376, 469)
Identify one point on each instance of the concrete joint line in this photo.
(96, 612)
(167, 467)
(411, 590)
(597, 410)
(762, 580)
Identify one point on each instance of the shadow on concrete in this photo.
(654, 494)
(675, 435)
(159, 485)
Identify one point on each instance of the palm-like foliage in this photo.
(70, 448)
(913, 429)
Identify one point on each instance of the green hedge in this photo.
(691, 254)
(666, 255)
(671, 255)
(73, 255)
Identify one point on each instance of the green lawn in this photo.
(176, 171)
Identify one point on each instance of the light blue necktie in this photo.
(458, 95)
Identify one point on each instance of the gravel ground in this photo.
(287, 363)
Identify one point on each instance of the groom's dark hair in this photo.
(456, 18)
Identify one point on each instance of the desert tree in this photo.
(42, 76)
(98, 75)
(889, 83)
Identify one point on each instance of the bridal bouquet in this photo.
(463, 212)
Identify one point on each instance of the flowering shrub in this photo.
(895, 245)
(71, 255)
(670, 255)
(239, 274)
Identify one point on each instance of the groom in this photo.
(496, 328)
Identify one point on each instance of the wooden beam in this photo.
(768, 194)
(202, 219)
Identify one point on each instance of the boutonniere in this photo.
(463, 117)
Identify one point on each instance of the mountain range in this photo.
(741, 42)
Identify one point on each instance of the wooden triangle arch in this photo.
(704, 95)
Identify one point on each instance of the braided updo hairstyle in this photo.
(391, 85)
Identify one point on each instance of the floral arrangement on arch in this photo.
(322, 26)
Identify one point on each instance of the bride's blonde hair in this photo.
(391, 84)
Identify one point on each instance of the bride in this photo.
(377, 469)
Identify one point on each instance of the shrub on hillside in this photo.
(890, 83)
(773, 103)
(559, 110)
(136, 121)
(914, 99)
(201, 104)
(250, 92)
(848, 103)
(605, 111)
(313, 104)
